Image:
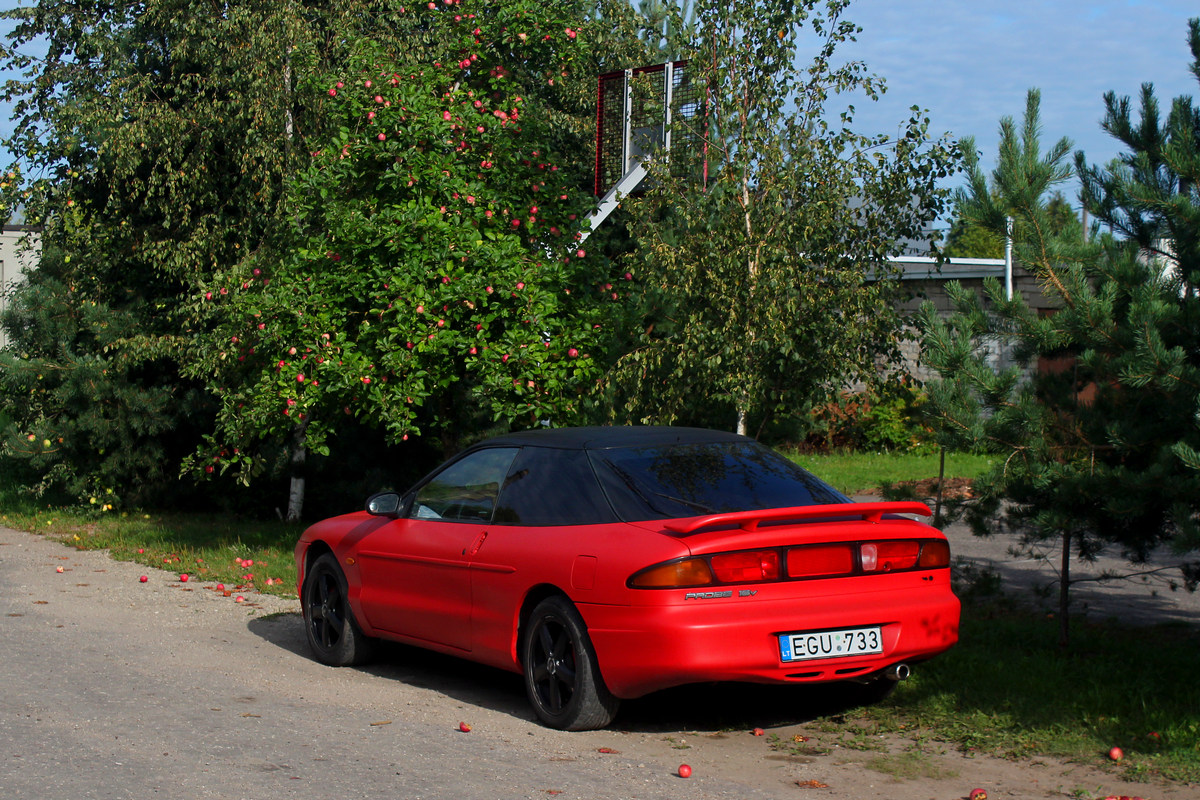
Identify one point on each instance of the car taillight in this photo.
(820, 560)
(751, 565)
(676, 574)
(831, 560)
(888, 556)
(934, 554)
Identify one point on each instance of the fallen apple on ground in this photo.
(144, 578)
(464, 727)
(1116, 754)
(685, 771)
(978, 794)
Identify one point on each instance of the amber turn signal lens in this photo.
(689, 572)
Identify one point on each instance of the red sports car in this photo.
(607, 563)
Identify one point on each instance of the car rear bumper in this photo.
(669, 642)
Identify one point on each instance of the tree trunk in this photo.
(1064, 592)
(298, 454)
(937, 506)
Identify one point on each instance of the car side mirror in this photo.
(384, 504)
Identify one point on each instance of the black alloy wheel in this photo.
(562, 678)
(333, 634)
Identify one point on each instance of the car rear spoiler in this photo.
(750, 520)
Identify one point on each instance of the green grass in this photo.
(1006, 689)
(855, 473)
(204, 546)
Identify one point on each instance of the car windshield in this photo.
(689, 480)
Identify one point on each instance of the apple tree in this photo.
(430, 282)
(167, 153)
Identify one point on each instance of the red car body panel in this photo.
(644, 648)
(461, 587)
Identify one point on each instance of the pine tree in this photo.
(1096, 423)
(155, 138)
(967, 239)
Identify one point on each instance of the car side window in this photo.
(466, 490)
(547, 486)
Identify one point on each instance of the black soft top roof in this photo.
(604, 437)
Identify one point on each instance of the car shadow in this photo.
(695, 707)
(285, 631)
(458, 678)
(735, 706)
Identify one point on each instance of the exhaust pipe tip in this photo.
(897, 672)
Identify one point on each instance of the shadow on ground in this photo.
(697, 707)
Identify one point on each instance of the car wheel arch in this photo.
(533, 597)
(330, 623)
(314, 551)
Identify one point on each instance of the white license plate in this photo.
(830, 644)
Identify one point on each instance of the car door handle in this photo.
(475, 545)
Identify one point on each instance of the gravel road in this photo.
(118, 689)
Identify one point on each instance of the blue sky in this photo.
(971, 62)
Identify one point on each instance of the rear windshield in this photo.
(688, 480)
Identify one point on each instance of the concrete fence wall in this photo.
(18, 252)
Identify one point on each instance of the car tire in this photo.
(333, 633)
(562, 677)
